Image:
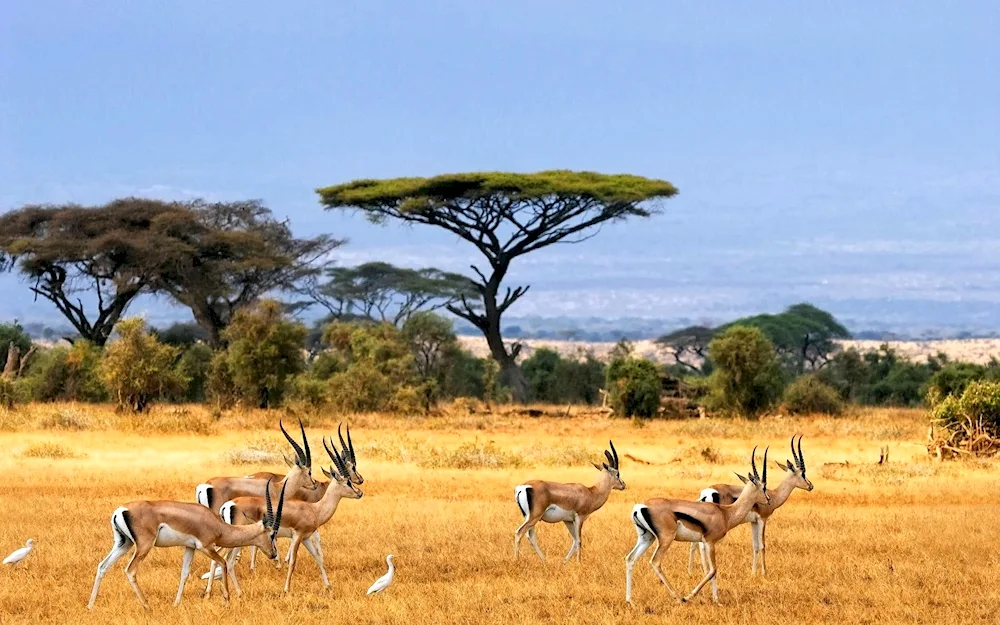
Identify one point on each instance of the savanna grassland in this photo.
(914, 541)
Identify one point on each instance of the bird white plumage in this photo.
(20, 554)
(383, 582)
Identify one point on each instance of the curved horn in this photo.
(305, 442)
(615, 452)
(791, 444)
(611, 459)
(338, 462)
(350, 445)
(764, 481)
(268, 512)
(281, 505)
(327, 448)
(300, 455)
(753, 463)
(802, 461)
(343, 443)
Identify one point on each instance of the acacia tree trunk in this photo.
(489, 324)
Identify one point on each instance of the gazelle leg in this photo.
(642, 543)
(704, 557)
(654, 562)
(220, 561)
(579, 536)
(755, 538)
(253, 558)
(526, 528)
(231, 559)
(571, 528)
(533, 539)
(710, 548)
(763, 546)
(141, 551)
(691, 556)
(317, 555)
(294, 548)
(116, 553)
(185, 571)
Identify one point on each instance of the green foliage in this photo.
(954, 377)
(972, 419)
(879, 378)
(688, 347)
(432, 341)
(137, 368)
(11, 393)
(467, 376)
(558, 380)
(265, 350)
(12, 333)
(309, 391)
(381, 374)
(802, 335)
(634, 387)
(747, 379)
(66, 374)
(195, 365)
(809, 395)
(181, 334)
(219, 386)
(427, 193)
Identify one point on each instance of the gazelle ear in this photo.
(742, 479)
(288, 461)
(598, 467)
(783, 467)
(326, 473)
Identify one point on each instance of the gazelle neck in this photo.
(602, 489)
(783, 492)
(328, 504)
(737, 512)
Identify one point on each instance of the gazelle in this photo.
(666, 520)
(218, 490)
(570, 503)
(148, 524)
(795, 477)
(300, 519)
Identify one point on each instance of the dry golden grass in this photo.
(911, 542)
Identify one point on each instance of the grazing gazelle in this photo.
(570, 503)
(218, 490)
(665, 520)
(795, 477)
(148, 524)
(300, 519)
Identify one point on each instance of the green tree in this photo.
(12, 334)
(747, 379)
(111, 253)
(688, 347)
(555, 379)
(432, 341)
(634, 387)
(137, 368)
(504, 216)
(195, 365)
(384, 292)
(181, 334)
(265, 349)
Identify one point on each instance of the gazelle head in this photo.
(611, 468)
(267, 540)
(340, 478)
(755, 481)
(796, 469)
(300, 472)
(350, 460)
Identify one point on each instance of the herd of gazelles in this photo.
(236, 512)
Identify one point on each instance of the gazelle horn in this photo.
(300, 456)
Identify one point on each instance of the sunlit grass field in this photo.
(913, 541)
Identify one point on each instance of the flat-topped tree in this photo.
(504, 215)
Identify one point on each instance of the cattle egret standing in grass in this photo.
(383, 582)
(22, 553)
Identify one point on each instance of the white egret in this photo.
(20, 554)
(383, 582)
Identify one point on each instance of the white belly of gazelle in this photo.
(685, 535)
(167, 536)
(554, 514)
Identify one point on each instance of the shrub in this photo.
(309, 391)
(67, 374)
(554, 379)
(10, 394)
(747, 379)
(195, 365)
(137, 368)
(219, 386)
(12, 333)
(50, 451)
(809, 395)
(265, 350)
(971, 422)
(634, 387)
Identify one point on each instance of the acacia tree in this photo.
(111, 252)
(504, 216)
(688, 346)
(238, 254)
(384, 292)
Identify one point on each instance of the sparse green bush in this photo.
(66, 374)
(971, 421)
(747, 379)
(309, 391)
(809, 395)
(265, 351)
(554, 379)
(634, 387)
(195, 365)
(219, 385)
(12, 333)
(138, 369)
(10, 394)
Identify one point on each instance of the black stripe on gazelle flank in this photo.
(127, 516)
(648, 518)
(527, 496)
(690, 520)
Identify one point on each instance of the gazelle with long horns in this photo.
(572, 504)
(148, 524)
(664, 521)
(218, 490)
(300, 519)
(795, 477)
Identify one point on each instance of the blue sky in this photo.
(844, 153)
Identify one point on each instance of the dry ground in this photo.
(911, 542)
